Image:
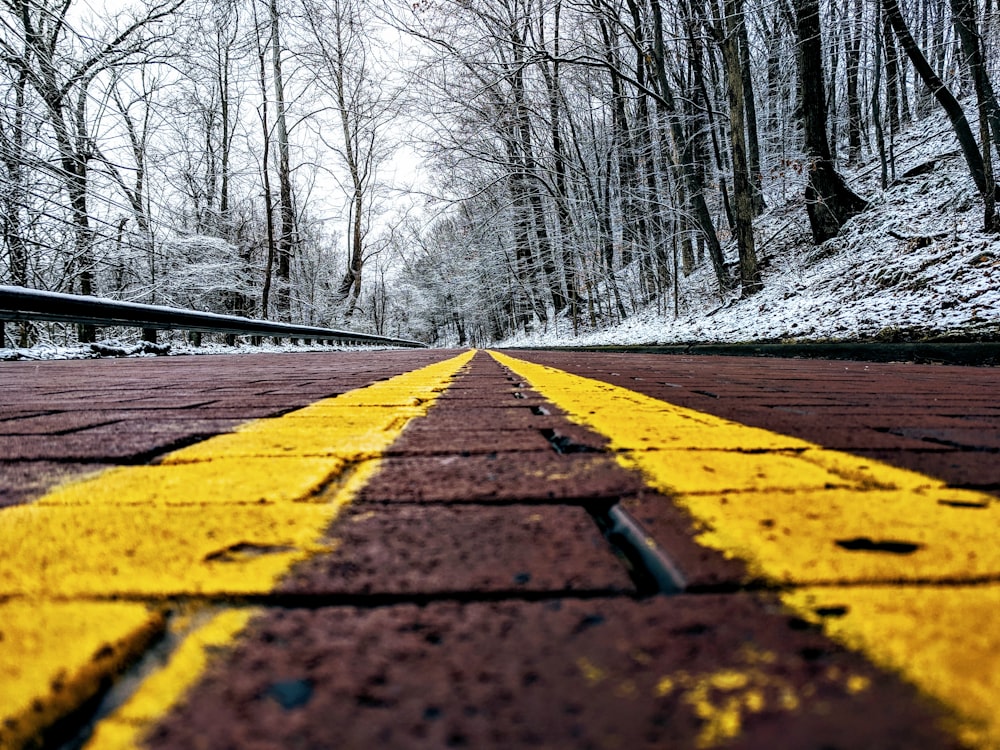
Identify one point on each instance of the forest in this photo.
(459, 171)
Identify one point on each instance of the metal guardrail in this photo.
(21, 304)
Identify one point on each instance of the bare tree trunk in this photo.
(622, 139)
(829, 201)
(694, 182)
(832, 81)
(753, 138)
(563, 214)
(75, 157)
(750, 280)
(635, 155)
(286, 239)
(15, 195)
(964, 15)
(894, 86)
(708, 107)
(265, 295)
(525, 262)
(342, 43)
(853, 64)
(876, 103)
(530, 184)
(960, 124)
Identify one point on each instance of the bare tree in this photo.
(363, 102)
(61, 64)
(727, 34)
(261, 47)
(829, 201)
(286, 210)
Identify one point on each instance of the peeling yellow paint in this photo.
(722, 721)
(723, 698)
(729, 680)
(592, 673)
(665, 686)
(754, 701)
(124, 728)
(857, 683)
(750, 654)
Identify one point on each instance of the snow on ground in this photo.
(116, 348)
(942, 278)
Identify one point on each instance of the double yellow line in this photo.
(890, 562)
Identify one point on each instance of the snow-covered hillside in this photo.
(916, 265)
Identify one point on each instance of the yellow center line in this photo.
(227, 516)
(891, 562)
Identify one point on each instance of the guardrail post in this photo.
(230, 339)
(194, 337)
(256, 340)
(86, 333)
(3, 337)
(149, 334)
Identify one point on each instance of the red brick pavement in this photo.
(457, 612)
(61, 419)
(470, 600)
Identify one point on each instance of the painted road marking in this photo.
(199, 523)
(125, 727)
(870, 551)
(55, 655)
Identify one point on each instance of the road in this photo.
(434, 548)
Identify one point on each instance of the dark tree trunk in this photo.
(853, 64)
(966, 139)
(892, 77)
(829, 201)
(530, 183)
(877, 116)
(265, 293)
(622, 139)
(286, 239)
(563, 215)
(753, 138)
(12, 153)
(708, 106)
(750, 281)
(964, 15)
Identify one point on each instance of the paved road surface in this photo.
(447, 549)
